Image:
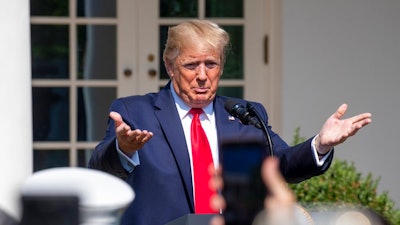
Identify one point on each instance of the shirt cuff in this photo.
(320, 162)
(128, 163)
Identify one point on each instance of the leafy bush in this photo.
(343, 185)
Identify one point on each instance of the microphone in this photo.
(239, 111)
(249, 115)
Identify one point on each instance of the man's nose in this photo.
(201, 72)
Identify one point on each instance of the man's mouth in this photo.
(200, 90)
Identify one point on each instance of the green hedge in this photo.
(343, 185)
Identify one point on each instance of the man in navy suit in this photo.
(147, 142)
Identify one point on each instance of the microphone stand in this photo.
(253, 111)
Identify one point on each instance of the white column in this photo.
(15, 100)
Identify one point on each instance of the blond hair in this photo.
(192, 32)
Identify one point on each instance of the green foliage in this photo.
(343, 185)
(297, 139)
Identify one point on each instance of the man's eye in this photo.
(190, 66)
(211, 65)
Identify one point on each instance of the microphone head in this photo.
(229, 105)
(237, 110)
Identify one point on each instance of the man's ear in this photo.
(169, 67)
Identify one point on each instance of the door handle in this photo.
(127, 72)
(152, 72)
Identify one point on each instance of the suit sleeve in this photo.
(105, 158)
(297, 163)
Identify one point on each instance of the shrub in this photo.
(343, 185)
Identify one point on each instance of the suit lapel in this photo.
(170, 123)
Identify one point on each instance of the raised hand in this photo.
(129, 141)
(336, 130)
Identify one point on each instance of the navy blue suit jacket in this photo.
(162, 182)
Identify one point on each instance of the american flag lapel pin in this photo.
(231, 118)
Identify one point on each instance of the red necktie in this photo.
(202, 159)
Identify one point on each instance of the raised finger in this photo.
(216, 178)
(275, 181)
(116, 117)
(133, 135)
(365, 118)
(140, 134)
(146, 136)
(340, 111)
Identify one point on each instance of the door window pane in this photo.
(93, 105)
(163, 39)
(49, 7)
(50, 114)
(96, 8)
(178, 8)
(50, 51)
(97, 46)
(45, 159)
(224, 8)
(236, 92)
(84, 156)
(234, 56)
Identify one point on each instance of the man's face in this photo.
(195, 75)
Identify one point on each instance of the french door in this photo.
(85, 53)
